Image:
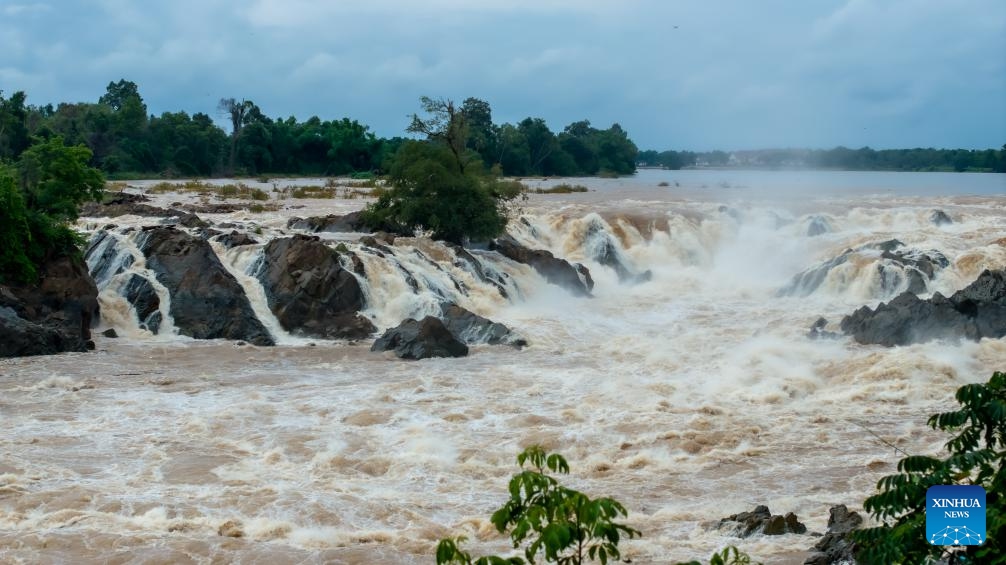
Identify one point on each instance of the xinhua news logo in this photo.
(955, 515)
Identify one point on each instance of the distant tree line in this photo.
(864, 159)
(126, 141)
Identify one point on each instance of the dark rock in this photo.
(732, 212)
(413, 339)
(604, 249)
(466, 261)
(896, 267)
(131, 207)
(140, 292)
(64, 300)
(761, 521)
(939, 217)
(236, 239)
(104, 258)
(472, 329)
(350, 222)
(818, 225)
(836, 545)
(310, 291)
(206, 301)
(817, 330)
(21, 338)
(977, 311)
(575, 278)
(110, 332)
(371, 241)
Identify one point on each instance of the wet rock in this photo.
(350, 222)
(836, 546)
(103, 255)
(236, 239)
(761, 521)
(110, 332)
(897, 267)
(374, 243)
(420, 339)
(977, 311)
(310, 291)
(206, 301)
(466, 261)
(818, 225)
(940, 218)
(604, 249)
(472, 329)
(817, 330)
(575, 278)
(128, 205)
(140, 292)
(64, 300)
(21, 338)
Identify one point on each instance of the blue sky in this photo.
(729, 74)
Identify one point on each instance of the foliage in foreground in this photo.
(977, 455)
(39, 196)
(559, 524)
(730, 555)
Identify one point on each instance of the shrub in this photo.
(429, 191)
(564, 525)
(977, 455)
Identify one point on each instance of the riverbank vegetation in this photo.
(127, 142)
(839, 158)
(39, 196)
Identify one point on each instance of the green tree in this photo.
(977, 455)
(37, 203)
(13, 125)
(15, 232)
(428, 193)
(237, 111)
(562, 525)
(445, 124)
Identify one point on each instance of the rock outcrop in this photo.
(350, 222)
(125, 204)
(421, 339)
(573, 277)
(896, 266)
(236, 239)
(51, 316)
(977, 311)
(761, 521)
(940, 218)
(471, 329)
(140, 292)
(206, 301)
(602, 248)
(836, 545)
(817, 225)
(310, 291)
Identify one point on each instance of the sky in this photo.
(676, 74)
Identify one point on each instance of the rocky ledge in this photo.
(52, 316)
(571, 276)
(977, 311)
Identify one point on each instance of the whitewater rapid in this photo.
(688, 397)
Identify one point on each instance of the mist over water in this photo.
(689, 397)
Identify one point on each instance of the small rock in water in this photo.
(241, 344)
(939, 217)
(761, 521)
(231, 529)
(110, 332)
(835, 546)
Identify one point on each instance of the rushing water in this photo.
(689, 397)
